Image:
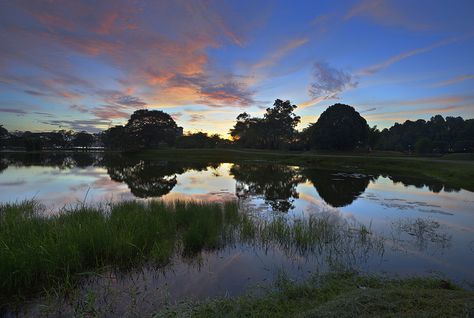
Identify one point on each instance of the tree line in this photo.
(339, 128)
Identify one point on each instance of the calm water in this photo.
(425, 227)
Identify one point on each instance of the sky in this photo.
(87, 65)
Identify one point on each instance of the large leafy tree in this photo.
(151, 128)
(83, 139)
(340, 127)
(116, 138)
(275, 130)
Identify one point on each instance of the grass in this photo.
(454, 170)
(40, 253)
(340, 295)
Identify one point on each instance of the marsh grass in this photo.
(343, 294)
(52, 253)
(38, 251)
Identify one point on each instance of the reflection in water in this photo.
(392, 206)
(337, 189)
(276, 183)
(423, 234)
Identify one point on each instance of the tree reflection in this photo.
(337, 189)
(149, 178)
(276, 183)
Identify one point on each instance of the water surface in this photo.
(425, 226)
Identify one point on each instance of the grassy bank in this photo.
(39, 252)
(341, 295)
(450, 171)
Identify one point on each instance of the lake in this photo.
(416, 227)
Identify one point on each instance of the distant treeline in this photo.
(340, 127)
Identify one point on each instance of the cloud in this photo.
(162, 47)
(281, 52)
(389, 13)
(394, 59)
(328, 82)
(195, 118)
(396, 115)
(130, 101)
(13, 111)
(90, 125)
(454, 80)
(79, 108)
(226, 94)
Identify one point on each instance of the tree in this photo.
(116, 138)
(275, 130)
(340, 127)
(151, 128)
(83, 139)
(423, 146)
(200, 140)
(4, 135)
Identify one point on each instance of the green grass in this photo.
(340, 295)
(39, 252)
(453, 170)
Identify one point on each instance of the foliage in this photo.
(423, 146)
(200, 140)
(340, 127)
(152, 128)
(4, 135)
(83, 139)
(274, 131)
(453, 134)
(116, 138)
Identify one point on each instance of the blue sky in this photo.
(87, 65)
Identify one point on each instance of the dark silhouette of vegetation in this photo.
(275, 130)
(201, 140)
(437, 135)
(275, 183)
(340, 127)
(146, 129)
(4, 135)
(83, 139)
(337, 189)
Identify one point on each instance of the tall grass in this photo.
(40, 252)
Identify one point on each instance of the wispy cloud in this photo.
(280, 53)
(454, 80)
(328, 81)
(394, 59)
(389, 13)
(13, 111)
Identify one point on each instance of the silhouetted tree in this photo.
(151, 128)
(116, 138)
(452, 134)
(4, 135)
(83, 139)
(275, 130)
(340, 127)
(200, 140)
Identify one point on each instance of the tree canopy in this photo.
(340, 127)
(151, 128)
(274, 131)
